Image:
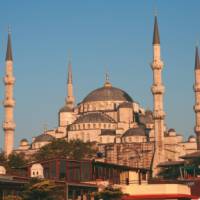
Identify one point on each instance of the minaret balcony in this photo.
(159, 114)
(157, 64)
(157, 89)
(9, 125)
(196, 87)
(9, 80)
(9, 103)
(197, 129)
(197, 108)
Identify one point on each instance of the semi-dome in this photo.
(126, 105)
(44, 138)
(108, 93)
(94, 117)
(138, 131)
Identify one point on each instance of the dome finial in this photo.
(107, 81)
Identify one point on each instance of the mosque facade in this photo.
(123, 130)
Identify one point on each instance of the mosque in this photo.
(124, 132)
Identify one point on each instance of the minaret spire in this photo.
(156, 38)
(158, 92)
(197, 62)
(70, 97)
(9, 102)
(9, 47)
(197, 97)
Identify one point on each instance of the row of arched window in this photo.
(82, 126)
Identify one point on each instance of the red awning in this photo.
(159, 197)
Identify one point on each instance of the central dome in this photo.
(108, 93)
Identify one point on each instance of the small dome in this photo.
(65, 109)
(171, 130)
(108, 93)
(192, 138)
(94, 117)
(44, 138)
(139, 131)
(24, 142)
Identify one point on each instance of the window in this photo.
(73, 171)
(62, 169)
(53, 169)
(85, 171)
(144, 176)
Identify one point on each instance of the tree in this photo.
(2, 157)
(75, 149)
(43, 190)
(16, 160)
(109, 193)
(15, 163)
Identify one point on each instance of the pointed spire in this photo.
(197, 62)
(69, 78)
(9, 47)
(156, 38)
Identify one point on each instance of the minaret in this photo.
(70, 97)
(157, 91)
(197, 97)
(9, 102)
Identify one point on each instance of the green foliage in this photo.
(12, 197)
(109, 193)
(2, 157)
(16, 160)
(43, 190)
(75, 149)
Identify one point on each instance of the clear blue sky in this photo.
(113, 33)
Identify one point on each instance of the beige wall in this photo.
(156, 189)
